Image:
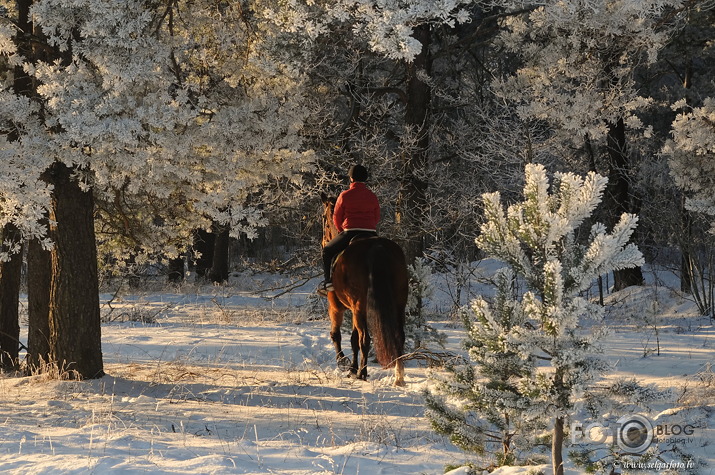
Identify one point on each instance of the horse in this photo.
(370, 278)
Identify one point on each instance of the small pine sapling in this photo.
(532, 355)
(495, 412)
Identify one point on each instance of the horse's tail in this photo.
(386, 325)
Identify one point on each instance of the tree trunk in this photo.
(9, 297)
(219, 263)
(557, 443)
(10, 271)
(204, 246)
(686, 282)
(39, 274)
(686, 240)
(176, 270)
(618, 195)
(75, 332)
(412, 202)
(63, 294)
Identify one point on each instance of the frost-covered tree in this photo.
(171, 114)
(388, 26)
(691, 152)
(531, 355)
(684, 71)
(578, 73)
(381, 53)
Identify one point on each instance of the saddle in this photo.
(362, 235)
(358, 237)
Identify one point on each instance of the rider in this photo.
(357, 211)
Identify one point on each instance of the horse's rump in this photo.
(377, 275)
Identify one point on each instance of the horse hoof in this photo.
(344, 363)
(354, 375)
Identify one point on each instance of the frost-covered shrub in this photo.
(531, 355)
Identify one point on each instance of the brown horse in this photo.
(370, 278)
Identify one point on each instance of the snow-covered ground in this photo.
(222, 380)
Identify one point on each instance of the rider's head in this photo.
(358, 173)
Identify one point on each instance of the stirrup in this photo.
(325, 287)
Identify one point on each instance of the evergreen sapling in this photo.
(531, 356)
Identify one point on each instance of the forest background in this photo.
(145, 135)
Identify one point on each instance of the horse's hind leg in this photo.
(364, 339)
(361, 344)
(355, 343)
(400, 364)
(336, 312)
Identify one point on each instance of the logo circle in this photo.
(634, 434)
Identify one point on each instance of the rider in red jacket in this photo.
(357, 211)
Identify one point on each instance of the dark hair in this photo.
(358, 173)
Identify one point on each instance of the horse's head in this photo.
(329, 229)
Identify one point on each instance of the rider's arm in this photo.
(339, 214)
(377, 212)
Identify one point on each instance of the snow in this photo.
(224, 380)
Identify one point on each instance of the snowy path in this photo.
(229, 384)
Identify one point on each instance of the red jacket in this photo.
(356, 208)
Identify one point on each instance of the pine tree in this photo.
(531, 355)
(492, 415)
(141, 121)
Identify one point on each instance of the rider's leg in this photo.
(330, 250)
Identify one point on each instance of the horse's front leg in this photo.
(336, 311)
